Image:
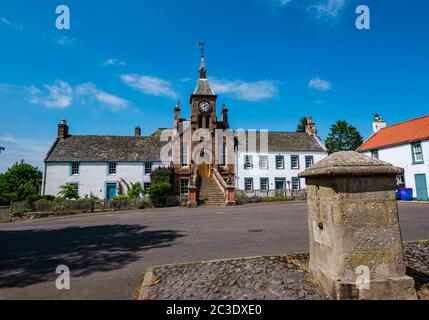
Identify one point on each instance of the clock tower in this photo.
(203, 102)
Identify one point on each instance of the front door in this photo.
(111, 191)
(421, 187)
(204, 170)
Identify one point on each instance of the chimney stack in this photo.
(138, 132)
(63, 129)
(176, 115)
(311, 127)
(225, 115)
(378, 123)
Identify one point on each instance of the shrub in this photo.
(159, 193)
(162, 175)
(135, 191)
(69, 192)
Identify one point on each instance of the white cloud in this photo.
(65, 41)
(284, 2)
(58, 95)
(16, 149)
(149, 85)
(90, 90)
(327, 9)
(113, 62)
(7, 22)
(319, 84)
(247, 91)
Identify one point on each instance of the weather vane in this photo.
(201, 45)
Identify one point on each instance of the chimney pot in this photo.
(63, 129)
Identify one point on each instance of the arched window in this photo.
(184, 159)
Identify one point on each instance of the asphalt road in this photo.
(109, 253)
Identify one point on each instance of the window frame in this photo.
(375, 154)
(267, 180)
(146, 187)
(147, 170)
(413, 152)
(182, 187)
(296, 179)
(283, 166)
(306, 161)
(298, 162)
(184, 155)
(267, 167)
(246, 162)
(109, 167)
(246, 180)
(72, 173)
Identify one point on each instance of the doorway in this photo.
(421, 187)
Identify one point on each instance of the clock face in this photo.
(205, 107)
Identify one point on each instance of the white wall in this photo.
(93, 177)
(272, 173)
(401, 156)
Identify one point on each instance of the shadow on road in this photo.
(32, 256)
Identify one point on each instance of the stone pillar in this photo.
(230, 196)
(192, 197)
(355, 238)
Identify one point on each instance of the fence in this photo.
(4, 214)
(292, 194)
(44, 207)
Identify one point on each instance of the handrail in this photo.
(218, 177)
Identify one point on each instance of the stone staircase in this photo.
(210, 193)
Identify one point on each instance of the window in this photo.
(280, 183)
(146, 187)
(280, 162)
(248, 184)
(265, 184)
(184, 187)
(248, 162)
(112, 168)
(400, 181)
(296, 183)
(223, 155)
(75, 168)
(417, 153)
(148, 168)
(263, 162)
(294, 160)
(184, 155)
(374, 154)
(309, 161)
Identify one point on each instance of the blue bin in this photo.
(406, 194)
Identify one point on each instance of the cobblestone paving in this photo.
(262, 278)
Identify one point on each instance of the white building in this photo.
(277, 169)
(405, 145)
(99, 164)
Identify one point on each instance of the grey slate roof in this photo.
(203, 88)
(148, 149)
(107, 149)
(290, 141)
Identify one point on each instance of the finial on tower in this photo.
(203, 69)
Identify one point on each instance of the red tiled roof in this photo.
(404, 132)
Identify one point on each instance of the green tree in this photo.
(19, 182)
(69, 191)
(2, 149)
(302, 125)
(343, 137)
(161, 175)
(135, 190)
(159, 192)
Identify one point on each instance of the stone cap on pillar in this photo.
(350, 163)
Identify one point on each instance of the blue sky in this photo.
(271, 61)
